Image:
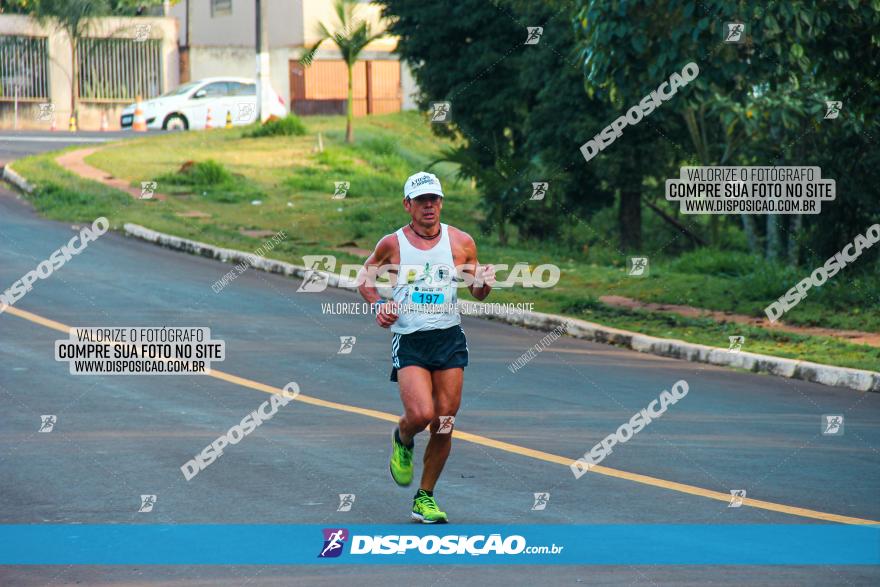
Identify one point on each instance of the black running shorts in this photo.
(432, 349)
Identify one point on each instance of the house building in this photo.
(218, 37)
(121, 58)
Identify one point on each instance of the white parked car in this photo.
(187, 106)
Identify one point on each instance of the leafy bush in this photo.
(213, 181)
(201, 173)
(361, 216)
(290, 125)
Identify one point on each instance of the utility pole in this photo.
(185, 51)
(262, 61)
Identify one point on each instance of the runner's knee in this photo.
(420, 418)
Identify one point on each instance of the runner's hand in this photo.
(386, 314)
(485, 275)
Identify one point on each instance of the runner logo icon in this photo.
(346, 500)
(541, 500)
(334, 540)
(47, 422)
(446, 423)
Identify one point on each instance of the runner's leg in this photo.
(447, 385)
(418, 406)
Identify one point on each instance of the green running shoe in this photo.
(401, 461)
(425, 509)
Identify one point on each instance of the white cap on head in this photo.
(421, 183)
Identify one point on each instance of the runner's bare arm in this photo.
(483, 276)
(381, 256)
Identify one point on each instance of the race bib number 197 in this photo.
(427, 297)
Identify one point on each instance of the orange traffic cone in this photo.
(105, 124)
(208, 123)
(138, 124)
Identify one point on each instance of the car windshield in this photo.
(181, 89)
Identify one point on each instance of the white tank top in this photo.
(426, 286)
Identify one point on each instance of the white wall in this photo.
(321, 11)
(60, 67)
(239, 28)
(409, 87)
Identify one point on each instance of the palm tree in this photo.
(351, 37)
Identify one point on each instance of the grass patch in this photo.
(709, 332)
(60, 195)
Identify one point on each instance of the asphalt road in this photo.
(119, 437)
(17, 144)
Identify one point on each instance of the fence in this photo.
(24, 65)
(118, 70)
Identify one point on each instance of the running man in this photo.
(428, 349)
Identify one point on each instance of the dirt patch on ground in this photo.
(75, 162)
(853, 336)
(256, 233)
(356, 251)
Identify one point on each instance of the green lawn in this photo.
(295, 184)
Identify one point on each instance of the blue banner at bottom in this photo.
(639, 544)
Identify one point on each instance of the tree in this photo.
(351, 37)
(461, 53)
(74, 17)
(517, 110)
(14, 6)
(756, 102)
(559, 115)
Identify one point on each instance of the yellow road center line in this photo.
(497, 444)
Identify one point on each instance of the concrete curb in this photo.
(11, 176)
(825, 374)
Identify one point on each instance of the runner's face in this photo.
(425, 210)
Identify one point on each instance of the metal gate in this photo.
(119, 70)
(24, 66)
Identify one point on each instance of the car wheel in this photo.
(175, 122)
